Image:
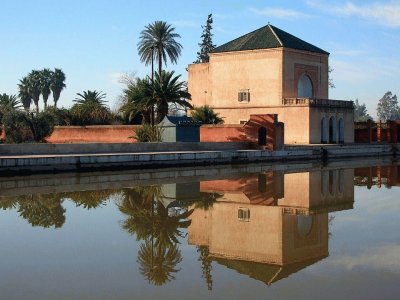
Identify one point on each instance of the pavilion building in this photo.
(270, 71)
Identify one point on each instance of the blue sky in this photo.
(96, 41)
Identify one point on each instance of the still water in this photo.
(246, 232)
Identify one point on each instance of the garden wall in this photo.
(92, 134)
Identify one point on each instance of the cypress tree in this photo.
(206, 45)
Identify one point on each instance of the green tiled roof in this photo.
(265, 38)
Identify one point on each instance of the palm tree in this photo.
(45, 82)
(91, 109)
(206, 115)
(91, 97)
(24, 94)
(168, 89)
(34, 87)
(9, 102)
(137, 100)
(157, 41)
(57, 84)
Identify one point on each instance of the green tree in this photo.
(46, 76)
(90, 109)
(57, 84)
(158, 41)
(388, 108)
(206, 45)
(24, 94)
(360, 112)
(206, 115)
(34, 87)
(168, 89)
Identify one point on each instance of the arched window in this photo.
(341, 131)
(323, 131)
(305, 87)
(332, 130)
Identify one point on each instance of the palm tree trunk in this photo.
(159, 62)
(152, 80)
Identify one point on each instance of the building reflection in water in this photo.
(270, 225)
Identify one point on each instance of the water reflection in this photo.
(158, 228)
(266, 225)
(46, 210)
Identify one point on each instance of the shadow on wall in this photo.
(264, 130)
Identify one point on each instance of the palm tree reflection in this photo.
(157, 264)
(159, 228)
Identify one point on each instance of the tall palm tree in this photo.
(157, 41)
(168, 89)
(45, 82)
(34, 87)
(57, 84)
(24, 94)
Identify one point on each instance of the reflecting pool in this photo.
(251, 232)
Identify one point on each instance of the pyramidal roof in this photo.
(265, 38)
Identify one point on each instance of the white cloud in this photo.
(385, 257)
(387, 13)
(280, 13)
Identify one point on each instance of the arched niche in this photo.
(305, 87)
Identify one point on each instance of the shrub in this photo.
(90, 115)
(23, 127)
(16, 128)
(147, 133)
(41, 125)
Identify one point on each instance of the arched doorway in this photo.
(332, 130)
(323, 131)
(341, 131)
(305, 87)
(262, 136)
